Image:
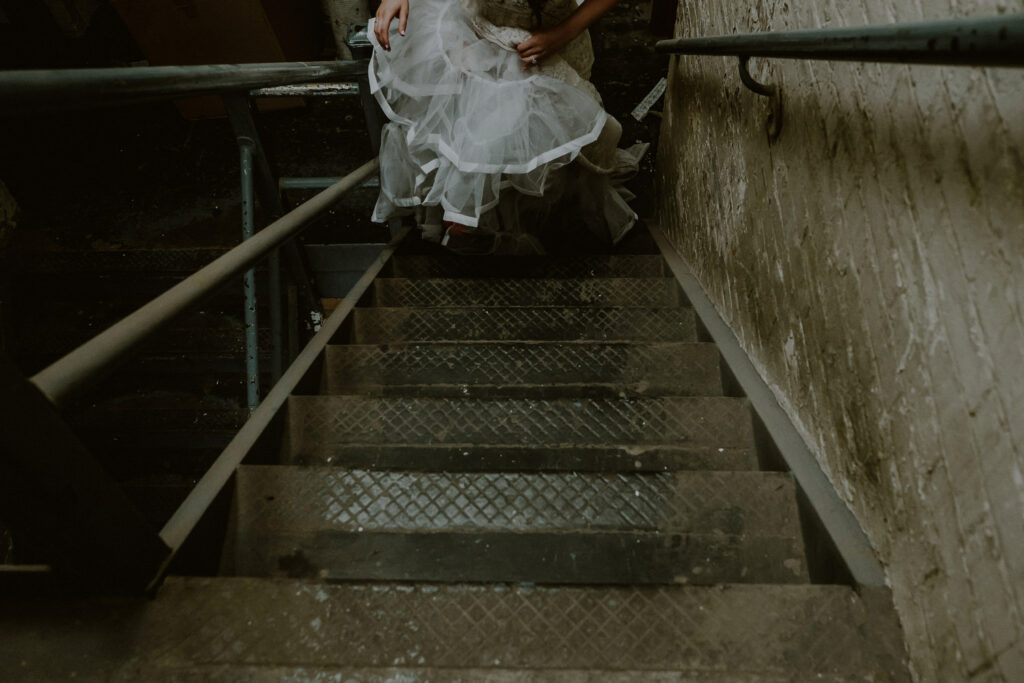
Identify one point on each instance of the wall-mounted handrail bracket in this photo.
(996, 41)
(774, 94)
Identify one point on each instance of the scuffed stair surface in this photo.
(382, 325)
(587, 292)
(516, 267)
(229, 628)
(318, 425)
(546, 369)
(687, 527)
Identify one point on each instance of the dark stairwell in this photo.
(535, 469)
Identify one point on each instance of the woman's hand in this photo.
(547, 42)
(387, 11)
(544, 43)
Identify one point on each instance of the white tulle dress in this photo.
(475, 140)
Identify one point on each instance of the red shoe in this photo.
(463, 239)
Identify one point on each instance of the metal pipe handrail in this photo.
(86, 363)
(989, 41)
(198, 501)
(49, 88)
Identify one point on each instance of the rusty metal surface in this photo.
(589, 292)
(472, 369)
(450, 265)
(214, 625)
(377, 325)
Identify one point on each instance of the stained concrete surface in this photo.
(869, 263)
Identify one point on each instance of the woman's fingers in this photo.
(528, 44)
(380, 28)
(531, 50)
(386, 13)
(531, 60)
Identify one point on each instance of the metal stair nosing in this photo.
(564, 528)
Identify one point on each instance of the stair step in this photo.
(556, 458)
(549, 369)
(379, 325)
(588, 292)
(452, 265)
(232, 628)
(692, 527)
(320, 426)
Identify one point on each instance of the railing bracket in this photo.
(772, 92)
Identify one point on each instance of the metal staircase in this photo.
(510, 469)
(503, 470)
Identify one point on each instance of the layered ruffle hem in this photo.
(475, 140)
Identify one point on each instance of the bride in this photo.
(496, 136)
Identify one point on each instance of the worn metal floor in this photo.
(514, 470)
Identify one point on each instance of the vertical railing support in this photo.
(252, 346)
(239, 110)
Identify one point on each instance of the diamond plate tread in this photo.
(307, 500)
(445, 265)
(318, 423)
(589, 292)
(443, 458)
(215, 623)
(381, 325)
(489, 369)
(564, 528)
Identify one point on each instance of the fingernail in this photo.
(401, 33)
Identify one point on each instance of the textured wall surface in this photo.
(871, 261)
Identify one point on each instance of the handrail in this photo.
(191, 510)
(989, 41)
(27, 90)
(86, 363)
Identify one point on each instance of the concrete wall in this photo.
(872, 263)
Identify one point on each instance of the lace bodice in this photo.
(518, 14)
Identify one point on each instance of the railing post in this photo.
(239, 109)
(252, 346)
(52, 489)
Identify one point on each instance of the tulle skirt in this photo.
(472, 136)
